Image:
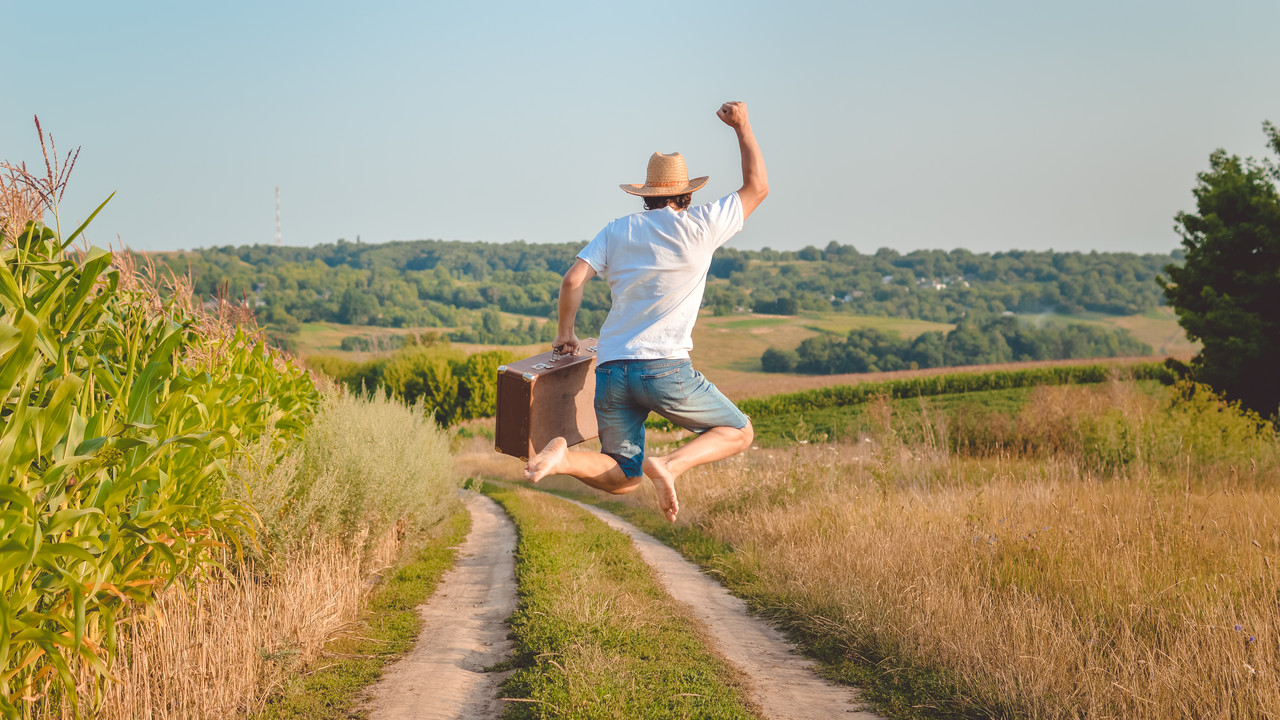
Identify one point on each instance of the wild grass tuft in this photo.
(124, 403)
(366, 464)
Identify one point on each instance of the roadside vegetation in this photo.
(387, 629)
(596, 636)
(186, 518)
(1107, 550)
(368, 485)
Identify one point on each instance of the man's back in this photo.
(656, 265)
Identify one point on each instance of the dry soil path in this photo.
(782, 683)
(464, 631)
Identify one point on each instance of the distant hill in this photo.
(466, 285)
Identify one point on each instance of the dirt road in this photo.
(464, 631)
(782, 683)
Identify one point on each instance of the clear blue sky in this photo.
(990, 126)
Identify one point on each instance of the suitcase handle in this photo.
(556, 356)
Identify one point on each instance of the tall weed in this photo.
(366, 464)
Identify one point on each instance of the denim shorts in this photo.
(627, 390)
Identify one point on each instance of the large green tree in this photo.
(1227, 293)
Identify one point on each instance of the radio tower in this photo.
(278, 240)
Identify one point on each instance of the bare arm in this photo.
(566, 342)
(755, 181)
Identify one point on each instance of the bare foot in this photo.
(664, 483)
(546, 462)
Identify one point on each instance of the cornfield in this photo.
(121, 404)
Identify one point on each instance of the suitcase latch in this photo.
(541, 366)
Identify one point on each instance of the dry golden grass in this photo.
(218, 649)
(1061, 596)
(1053, 585)
(1159, 328)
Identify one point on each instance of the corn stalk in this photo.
(118, 413)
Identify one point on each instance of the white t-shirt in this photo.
(656, 265)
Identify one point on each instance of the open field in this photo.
(727, 349)
(739, 339)
(1121, 559)
(326, 338)
(733, 344)
(1158, 328)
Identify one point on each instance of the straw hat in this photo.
(667, 175)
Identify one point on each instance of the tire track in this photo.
(464, 631)
(782, 683)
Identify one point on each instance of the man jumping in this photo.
(656, 265)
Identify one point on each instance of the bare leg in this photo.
(714, 444)
(595, 469)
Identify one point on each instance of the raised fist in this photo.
(733, 113)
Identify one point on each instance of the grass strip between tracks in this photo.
(889, 686)
(596, 635)
(388, 629)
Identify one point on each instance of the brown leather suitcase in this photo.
(544, 397)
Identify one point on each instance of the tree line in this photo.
(454, 285)
(994, 340)
(936, 285)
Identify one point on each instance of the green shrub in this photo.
(425, 375)
(1197, 426)
(775, 360)
(452, 384)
